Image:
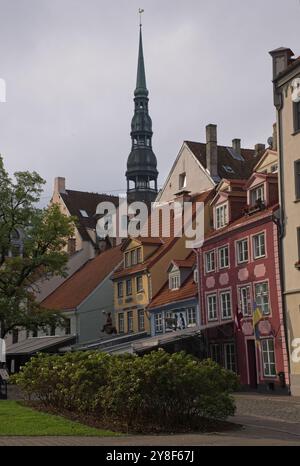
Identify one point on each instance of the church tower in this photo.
(142, 171)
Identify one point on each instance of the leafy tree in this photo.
(31, 249)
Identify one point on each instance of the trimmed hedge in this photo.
(159, 389)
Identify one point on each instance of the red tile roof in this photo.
(166, 296)
(80, 285)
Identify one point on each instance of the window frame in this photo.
(249, 312)
(129, 288)
(268, 363)
(121, 319)
(254, 238)
(158, 323)
(206, 255)
(253, 194)
(223, 248)
(221, 295)
(120, 288)
(191, 316)
(296, 112)
(139, 281)
(208, 308)
(230, 365)
(130, 327)
(259, 304)
(221, 221)
(239, 242)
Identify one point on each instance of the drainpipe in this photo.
(281, 225)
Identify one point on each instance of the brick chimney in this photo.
(259, 148)
(60, 185)
(212, 150)
(274, 145)
(236, 146)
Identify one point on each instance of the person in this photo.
(108, 327)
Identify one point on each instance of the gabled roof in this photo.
(188, 263)
(264, 157)
(241, 167)
(166, 296)
(79, 286)
(77, 201)
(262, 176)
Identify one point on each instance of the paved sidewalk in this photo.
(267, 420)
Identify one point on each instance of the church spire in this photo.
(141, 164)
(141, 87)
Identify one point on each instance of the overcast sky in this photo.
(70, 69)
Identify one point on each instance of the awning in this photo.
(35, 345)
(160, 340)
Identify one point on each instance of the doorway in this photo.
(251, 349)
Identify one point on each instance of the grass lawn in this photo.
(16, 419)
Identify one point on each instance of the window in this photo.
(228, 169)
(191, 316)
(139, 284)
(297, 116)
(262, 297)
(274, 168)
(212, 307)
(226, 305)
(68, 326)
(15, 336)
(259, 246)
(133, 257)
(298, 237)
(84, 213)
(242, 251)
(257, 194)
(221, 216)
(121, 322)
(174, 282)
(210, 261)
(127, 260)
(141, 320)
(229, 353)
(158, 323)
(120, 290)
(224, 257)
(268, 354)
(215, 353)
(297, 179)
(130, 321)
(245, 301)
(128, 287)
(195, 276)
(139, 255)
(182, 181)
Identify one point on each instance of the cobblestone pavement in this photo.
(266, 420)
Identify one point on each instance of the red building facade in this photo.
(239, 275)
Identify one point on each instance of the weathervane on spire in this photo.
(141, 11)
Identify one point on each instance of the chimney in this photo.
(236, 146)
(282, 58)
(274, 145)
(212, 150)
(60, 185)
(259, 148)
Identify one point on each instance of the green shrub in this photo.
(159, 390)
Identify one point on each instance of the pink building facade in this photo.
(239, 275)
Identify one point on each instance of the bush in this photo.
(159, 390)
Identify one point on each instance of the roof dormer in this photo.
(262, 191)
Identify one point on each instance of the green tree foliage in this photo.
(31, 249)
(159, 390)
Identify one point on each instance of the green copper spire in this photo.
(141, 87)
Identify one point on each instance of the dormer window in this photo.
(221, 216)
(133, 257)
(174, 281)
(257, 195)
(228, 169)
(84, 213)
